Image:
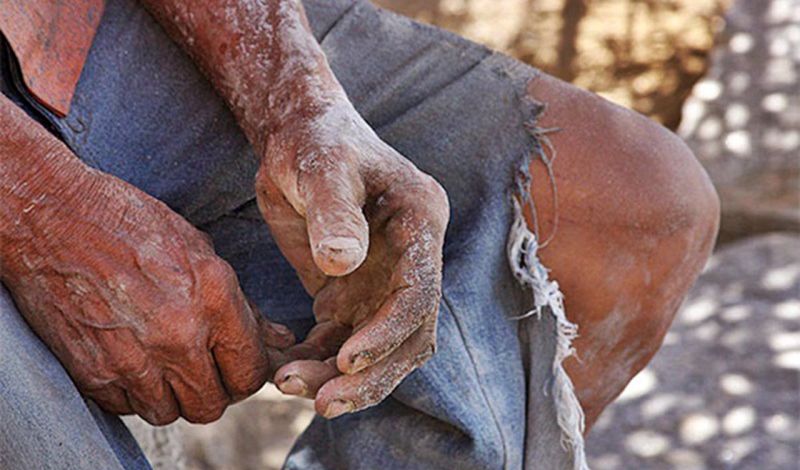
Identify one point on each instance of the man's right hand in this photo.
(128, 295)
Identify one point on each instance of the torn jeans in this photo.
(493, 397)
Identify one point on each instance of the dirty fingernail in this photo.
(340, 253)
(338, 408)
(340, 244)
(293, 385)
(360, 361)
(281, 329)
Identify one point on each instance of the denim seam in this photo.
(336, 22)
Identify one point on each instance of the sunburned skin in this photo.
(637, 220)
(129, 296)
(148, 320)
(361, 225)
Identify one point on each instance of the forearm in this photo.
(32, 162)
(260, 55)
(38, 176)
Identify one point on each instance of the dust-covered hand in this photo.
(364, 229)
(128, 295)
(361, 225)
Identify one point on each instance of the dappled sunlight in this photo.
(644, 383)
(736, 384)
(743, 119)
(647, 444)
(697, 428)
(739, 420)
(788, 310)
(781, 278)
(723, 390)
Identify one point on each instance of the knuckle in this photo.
(180, 340)
(313, 166)
(435, 189)
(133, 367)
(436, 208)
(206, 414)
(160, 415)
(437, 198)
(245, 385)
(216, 269)
(262, 179)
(219, 284)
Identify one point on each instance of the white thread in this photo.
(522, 255)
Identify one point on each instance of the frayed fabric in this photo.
(522, 250)
(530, 272)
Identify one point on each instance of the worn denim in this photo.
(143, 112)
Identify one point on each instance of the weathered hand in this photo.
(364, 229)
(130, 297)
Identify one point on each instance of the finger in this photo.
(416, 281)
(198, 388)
(353, 298)
(289, 230)
(337, 230)
(322, 342)
(112, 399)
(239, 352)
(349, 393)
(275, 335)
(304, 378)
(151, 398)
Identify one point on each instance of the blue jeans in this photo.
(143, 112)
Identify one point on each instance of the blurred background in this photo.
(724, 391)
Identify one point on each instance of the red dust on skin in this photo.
(637, 221)
(77, 246)
(345, 208)
(128, 295)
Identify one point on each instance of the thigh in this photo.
(44, 421)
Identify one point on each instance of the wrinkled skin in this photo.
(364, 229)
(129, 296)
(361, 225)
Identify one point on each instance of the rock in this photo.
(724, 391)
(743, 118)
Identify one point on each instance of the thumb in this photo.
(337, 230)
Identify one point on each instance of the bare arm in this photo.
(361, 225)
(260, 55)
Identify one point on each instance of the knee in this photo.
(621, 172)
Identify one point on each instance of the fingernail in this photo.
(338, 408)
(340, 244)
(293, 385)
(281, 329)
(338, 256)
(360, 361)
